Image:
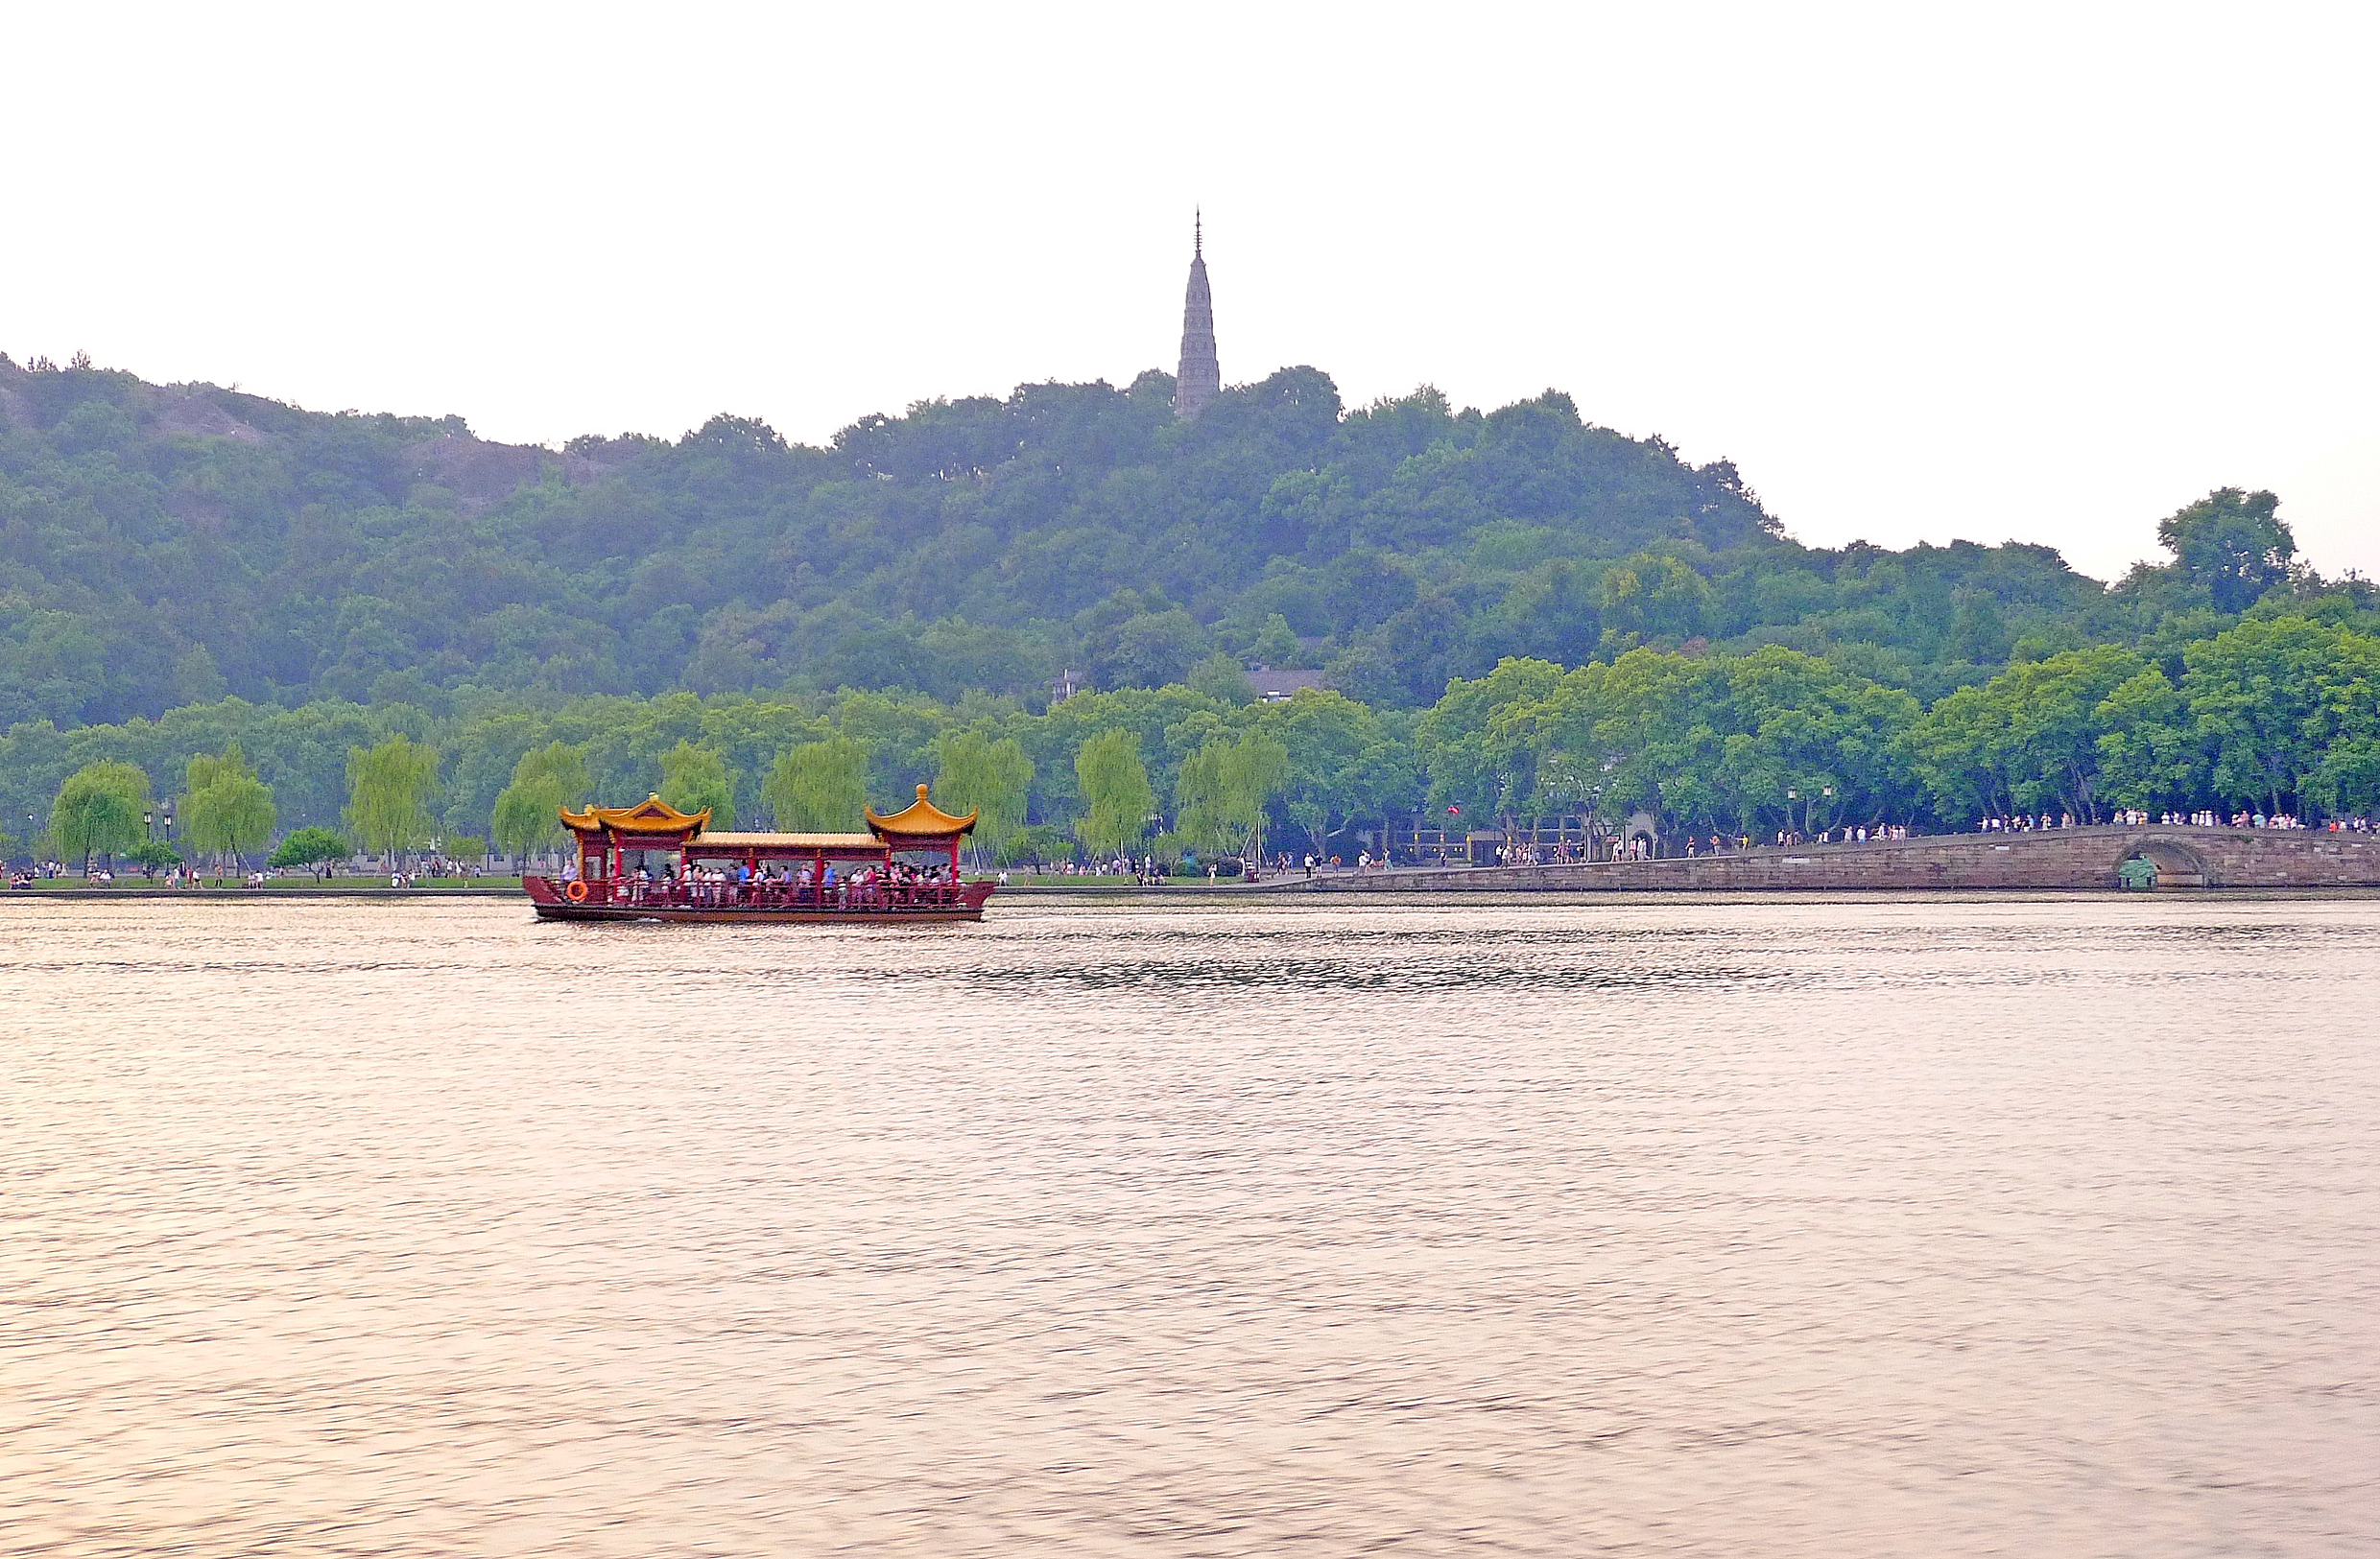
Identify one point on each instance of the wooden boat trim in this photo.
(960, 902)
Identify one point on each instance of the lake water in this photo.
(1924, 1227)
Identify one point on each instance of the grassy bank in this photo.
(143, 886)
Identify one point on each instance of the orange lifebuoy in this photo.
(576, 892)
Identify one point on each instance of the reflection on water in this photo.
(1890, 1227)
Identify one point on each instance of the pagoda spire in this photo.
(1201, 379)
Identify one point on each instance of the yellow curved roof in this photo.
(652, 816)
(730, 843)
(919, 819)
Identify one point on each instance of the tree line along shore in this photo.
(2278, 715)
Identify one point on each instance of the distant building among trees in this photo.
(1280, 686)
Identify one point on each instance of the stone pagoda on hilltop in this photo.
(1200, 379)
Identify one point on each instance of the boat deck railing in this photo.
(879, 897)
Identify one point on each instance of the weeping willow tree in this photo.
(991, 779)
(1224, 789)
(528, 811)
(98, 810)
(818, 787)
(390, 790)
(229, 810)
(694, 778)
(1116, 792)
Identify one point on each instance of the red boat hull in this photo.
(959, 902)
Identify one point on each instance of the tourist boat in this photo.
(651, 861)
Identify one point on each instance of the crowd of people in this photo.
(877, 883)
(184, 875)
(1530, 852)
(2141, 817)
(1639, 847)
(1148, 870)
(1643, 847)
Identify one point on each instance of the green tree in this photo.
(527, 816)
(227, 811)
(1468, 768)
(818, 787)
(1812, 723)
(1978, 629)
(1960, 752)
(152, 854)
(694, 777)
(989, 778)
(1221, 679)
(2348, 784)
(1035, 844)
(2271, 696)
(1651, 595)
(1115, 791)
(2234, 543)
(2026, 740)
(1649, 730)
(525, 822)
(1340, 765)
(1225, 787)
(1147, 651)
(2151, 755)
(98, 810)
(309, 846)
(390, 788)
(1275, 644)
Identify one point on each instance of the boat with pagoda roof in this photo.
(651, 861)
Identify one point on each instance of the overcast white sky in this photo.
(2043, 273)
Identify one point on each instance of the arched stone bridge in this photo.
(2066, 858)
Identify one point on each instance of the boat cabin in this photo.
(654, 856)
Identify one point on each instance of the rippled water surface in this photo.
(1916, 1227)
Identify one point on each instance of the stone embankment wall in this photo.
(2072, 858)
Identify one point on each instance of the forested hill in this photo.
(162, 546)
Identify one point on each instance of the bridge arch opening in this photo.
(2177, 864)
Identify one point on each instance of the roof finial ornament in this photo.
(1198, 233)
